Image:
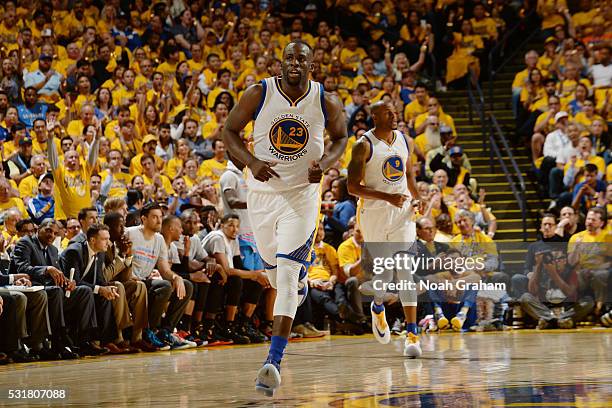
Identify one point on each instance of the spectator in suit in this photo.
(36, 257)
(87, 260)
(9, 341)
(131, 307)
(23, 318)
(86, 217)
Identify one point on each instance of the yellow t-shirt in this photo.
(212, 168)
(596, 160)
(120, 183)
(477, 244)
(520, 79)
(325, 262)
(173, 167)
(14, 202)
(352, 58)
(548, 10)
(414, 109)
(136, 167)
(591, 256)
(444, 118)
(486, 28)
(167, 69)
(166, 184)
(349, 252)
(609, 173)
(72, 190)
(28, 187)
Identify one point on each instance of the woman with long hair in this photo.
(104, 108)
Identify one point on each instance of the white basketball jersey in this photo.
(288, 133)
(385, 169)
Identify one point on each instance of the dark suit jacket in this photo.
(80, 237)
(77, 256)
(4, 279)
(29, 258)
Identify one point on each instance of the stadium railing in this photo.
(513, 41)
(491, 132)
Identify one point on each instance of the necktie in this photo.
(48, 257)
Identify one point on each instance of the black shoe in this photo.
(91, 349)
(22, 356)
(4, 359)
(210, 331)
(47, 354)
(254, 335)
(67, 353)
(229, 332)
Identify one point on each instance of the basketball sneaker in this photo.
(380, 328)
(457, 321)
(441, 321)
(268, 378)
(151, 338)
(412, 346)
(606, 320)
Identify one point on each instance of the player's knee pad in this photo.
(287, 278)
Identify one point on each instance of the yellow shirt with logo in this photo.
(325, 262)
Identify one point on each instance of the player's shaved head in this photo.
(301, 46)
(384, 115)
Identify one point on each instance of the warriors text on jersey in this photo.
(289, 134)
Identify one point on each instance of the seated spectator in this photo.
(344, 208)
(466, 44)
(433, 110)
(461, 304)
(430, 138)
(38, 259)
(585, 193)
(325, 280)
(223, 246)
(589, 253)
(85, 261)
(130, 307)
(151, 265)
(42, 206)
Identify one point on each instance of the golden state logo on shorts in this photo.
(393, 168)
(288, 139)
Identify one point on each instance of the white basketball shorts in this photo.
(284, 223)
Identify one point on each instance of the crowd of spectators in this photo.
(122, 214)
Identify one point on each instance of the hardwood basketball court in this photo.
(570, 368)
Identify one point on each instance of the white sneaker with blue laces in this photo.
(380, 328)
(268, 378)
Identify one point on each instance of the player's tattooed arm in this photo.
(356, 174)
(238, 118)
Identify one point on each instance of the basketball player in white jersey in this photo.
(291, 114)
(380, 174)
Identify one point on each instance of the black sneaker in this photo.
(229, 331)
(254, 335)
(210, 331)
